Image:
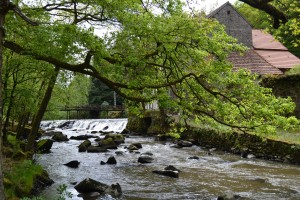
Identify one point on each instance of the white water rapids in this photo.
(213, 174)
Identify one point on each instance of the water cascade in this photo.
(205, 173)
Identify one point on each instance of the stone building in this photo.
(265, 55)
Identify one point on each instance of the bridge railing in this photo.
(92, 107)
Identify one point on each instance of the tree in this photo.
(148, 48)
(99, 93)
(279, 16)
(70, 90)
(41, 110)
(155, 47)
(286, 31)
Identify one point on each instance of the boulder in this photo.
(84, 146)
(93, 149)
(145, 159)
(172, 168)
(44, 146)
(147, 153)
(89, 186)
(132, 148)
(117, 138)
(169, 173)
(194, 157)
(119, 153)
(73, 164)
(111, 160)
(51, 132)
(60, 137)
(102, 163)
(138, 145)
(184, 143)
(175, 146)
(94, 132)
(108, 143)
(82, 137)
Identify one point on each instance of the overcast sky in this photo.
(210, 5)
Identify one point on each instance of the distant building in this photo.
(265, 55)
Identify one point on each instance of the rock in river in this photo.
(89, 185)
(111, 160)
(184, 143)
(60, 137)
(44, 146)
(73, 164)
(145, 159)
(170, 173)
(84, 145)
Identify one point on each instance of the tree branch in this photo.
(18, 11)
(264, 5)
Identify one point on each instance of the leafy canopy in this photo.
(145, 50)
(288, 33)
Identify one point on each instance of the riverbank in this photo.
(22, 176)
(244, 144)
(204, 173)
(248, 145)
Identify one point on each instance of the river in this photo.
(213, 174)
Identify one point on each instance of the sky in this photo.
(210, 5)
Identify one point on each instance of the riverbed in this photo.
(213, 174)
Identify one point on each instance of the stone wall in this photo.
(245, 144)
(284, 86)
(151, 123)
(242, 144)
(235, 25)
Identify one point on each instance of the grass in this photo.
(292, 137)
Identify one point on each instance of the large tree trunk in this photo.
(9, 108)
(42, 108)
(22, 121)
(3, 11)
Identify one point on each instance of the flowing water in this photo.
(212, 175)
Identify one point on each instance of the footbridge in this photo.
(103, 110)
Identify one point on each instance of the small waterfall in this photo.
(107, 125)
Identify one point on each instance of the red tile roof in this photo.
(273, 51)
(262, 40)
(252, 61)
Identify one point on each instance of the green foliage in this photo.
(257, 18)
(294, 71)
(100, 93)
(147, 50)
(175, 131)
(22, 178)
(288, 33)
(70, 90)
(63, 193)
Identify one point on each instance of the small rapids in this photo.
(213, 174)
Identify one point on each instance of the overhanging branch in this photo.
(278, 16)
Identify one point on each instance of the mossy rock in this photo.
(108, 141)
(115, 137)
(84, 145)
(44, 146)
